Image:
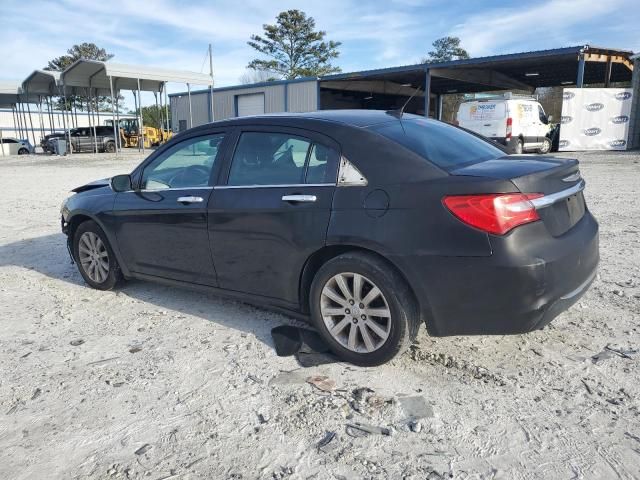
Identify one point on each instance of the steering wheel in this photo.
(192, 176)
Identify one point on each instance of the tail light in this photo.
(496, 213)
(509, 127)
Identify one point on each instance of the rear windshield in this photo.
(446, 146)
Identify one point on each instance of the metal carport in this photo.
(389, 88)
(107, 79)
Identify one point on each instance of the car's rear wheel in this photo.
(363, 309)
(518, 147)
(95, 258)
(546, 146)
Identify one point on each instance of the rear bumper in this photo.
(530, 279)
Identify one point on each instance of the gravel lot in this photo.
(156, 382)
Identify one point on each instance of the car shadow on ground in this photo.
(48, 255)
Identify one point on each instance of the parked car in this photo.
(366, 224)
(14, 146)
(82, 139)
(518, 123)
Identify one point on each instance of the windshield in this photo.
(444, 145)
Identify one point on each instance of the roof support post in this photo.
(68, 126)
(16, 120)
(1, 142)
(141, 120)
(116, 127)
(439, 112)
(33, 134)
(118, 138)
(580, 79)
(190, 110)
(427, 92)
(607, 74)
(52, 126)
(166, 105)
(40, 118)
(92, 123)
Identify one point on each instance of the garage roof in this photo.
(96, 74)
(12, 93)
(42, 82)
(542, 68)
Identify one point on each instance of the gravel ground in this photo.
(156, 382)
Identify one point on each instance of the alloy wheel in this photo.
(355, 312)
(94, 257)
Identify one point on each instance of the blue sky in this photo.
(175, 34)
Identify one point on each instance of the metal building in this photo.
(299, 95)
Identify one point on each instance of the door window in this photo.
(541, 114)
(187, 164)
(322, 165)
(269, 159)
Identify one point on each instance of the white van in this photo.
(519, 123)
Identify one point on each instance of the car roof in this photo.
(354, 118)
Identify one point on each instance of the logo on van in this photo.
(563, 143)
(568, 95)
(594, 107)
(566, 119)
(620, 119)
(592, 132)
(617, 143)
(622, 95)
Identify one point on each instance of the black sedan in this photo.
(366, 223)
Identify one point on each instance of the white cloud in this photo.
(543, 25)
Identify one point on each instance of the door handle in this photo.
(299, 198)
(190, 200)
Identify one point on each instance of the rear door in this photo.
(162, 226)
(486, 117)
(273, 211)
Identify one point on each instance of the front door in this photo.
(162, 225)
(274, 210)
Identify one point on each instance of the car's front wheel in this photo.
(546, 146)
(94, 256)
(23, 151)
(110, 147)
(363, 309)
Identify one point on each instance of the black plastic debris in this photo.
(328, 437)
(287, 340)
(306, 344)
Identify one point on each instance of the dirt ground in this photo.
(155, 382)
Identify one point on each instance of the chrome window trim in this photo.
(284, 185)
(145, 190)
(552, 198)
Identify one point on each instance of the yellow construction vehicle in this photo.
(130, 135)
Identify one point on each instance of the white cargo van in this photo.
(519, 123)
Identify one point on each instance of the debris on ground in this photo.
(322, 382)
(363, 427)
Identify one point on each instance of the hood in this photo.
(90, 186)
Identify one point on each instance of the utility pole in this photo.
(211, 86)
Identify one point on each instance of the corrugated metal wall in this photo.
(297, 96)
(302, 96)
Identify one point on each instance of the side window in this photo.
(187, 164)
(543, 117)
(269, 159)
(323, 162)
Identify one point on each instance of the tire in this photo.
(23, 151)
(546, 146)
(110, 147)
(395, 298)
(89, 239)
(518, 147)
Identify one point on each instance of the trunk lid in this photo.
(557, 178)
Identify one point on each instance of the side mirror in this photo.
(550, 118)
(121, 183)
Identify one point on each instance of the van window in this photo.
(446, 146)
